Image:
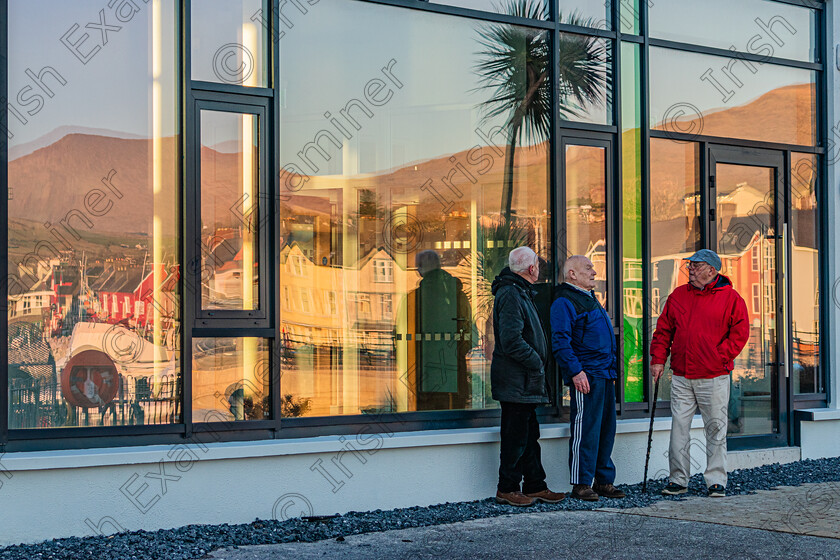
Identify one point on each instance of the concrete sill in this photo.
(817, 414)
(85, 458)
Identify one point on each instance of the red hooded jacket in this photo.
(703, 330)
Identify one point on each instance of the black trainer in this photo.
(674, 489)
(717, 491)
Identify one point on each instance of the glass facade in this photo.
(255, 229)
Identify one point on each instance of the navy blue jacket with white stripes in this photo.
(582, 337)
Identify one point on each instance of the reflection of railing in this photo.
(34, 403)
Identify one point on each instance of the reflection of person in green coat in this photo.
(437, 319)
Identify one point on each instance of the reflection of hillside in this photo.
(784, 115)
(54, 180)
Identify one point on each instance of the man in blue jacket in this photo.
(583, 343)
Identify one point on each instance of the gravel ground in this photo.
(195, 541)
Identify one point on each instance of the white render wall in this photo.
(832, 228)
(54, 494)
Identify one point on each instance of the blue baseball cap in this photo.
(706, 256)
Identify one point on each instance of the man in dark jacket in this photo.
(583, 342)
(517, 375)
(704, 326)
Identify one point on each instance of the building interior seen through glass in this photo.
(409, 154)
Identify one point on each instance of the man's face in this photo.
(700, 274)
(584, 274)
(534, 271)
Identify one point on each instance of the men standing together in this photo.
(703, 327)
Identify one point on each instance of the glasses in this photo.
(695, 265)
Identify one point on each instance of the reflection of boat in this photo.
(133, 355)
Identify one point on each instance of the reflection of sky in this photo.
(434, 113)
(704, 23)
(110, 92)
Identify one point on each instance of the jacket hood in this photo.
(509, 278)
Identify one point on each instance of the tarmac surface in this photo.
(789, 522)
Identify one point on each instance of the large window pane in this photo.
(631, 189)
(535, 9)
(805, 295)
(717, 96)
(630, 16)
(229, 39)
(230, 171)
(584, 84)
(406, 180)
(586, 210)
(586, 13)
(94, 217)
(231, 378)
(674, 224)
(761, 27)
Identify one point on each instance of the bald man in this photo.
(583, 343)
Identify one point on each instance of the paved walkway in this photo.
(790, 522)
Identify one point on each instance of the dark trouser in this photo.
(520, 449)
(593, 433)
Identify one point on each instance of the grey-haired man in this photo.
(704, 326)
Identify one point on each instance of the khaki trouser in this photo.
(711, 396)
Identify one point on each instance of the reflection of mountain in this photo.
(784, 115)
(20, 150)
(49, 183)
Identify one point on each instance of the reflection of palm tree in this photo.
(515, 66)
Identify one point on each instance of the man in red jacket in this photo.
(704, 326)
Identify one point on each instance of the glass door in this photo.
(744, 209)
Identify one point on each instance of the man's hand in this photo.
(656, 370)
(581, 382)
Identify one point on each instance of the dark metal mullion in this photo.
(273, 185)
(431, 7)
(726, 53)
(557, 185)
(235, 89)
(94, 431)
(590, 31)
(785, 198)
(188, 215)
(735, 142)
(822, 195)
(647, 296)
(605, 128)
(4, 217)
(818, 5)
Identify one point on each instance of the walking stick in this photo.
(650, 431)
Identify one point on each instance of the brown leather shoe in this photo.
(547, 496)
(514, 499)
(608, 491)
(584, 492)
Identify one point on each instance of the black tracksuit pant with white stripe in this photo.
(593, 433)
